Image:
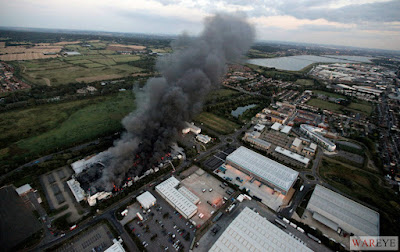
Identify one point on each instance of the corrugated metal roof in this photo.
(348, 214)
(23, 189)
(268, 169)
(179, 201)
(146, 199)
(252, 232)
(292, 155)
(189, 194)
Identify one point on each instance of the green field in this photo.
(221, 94)
(29, 133)
(93, 65)
(361, 106)
(305, 82)
(216, 123)
(325, 105)
(357, 107)
(124, 58)
(364, 186)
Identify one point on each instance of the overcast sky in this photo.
(362, 23)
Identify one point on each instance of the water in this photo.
(240, 110)
(296, 63)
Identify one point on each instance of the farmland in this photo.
(45, 64)
(28, 53)
(216, 123)
(78, 68)
(32, 132)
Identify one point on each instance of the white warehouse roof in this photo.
(346, 213)
(252, 232)
(292, 155)
(146, 200)
(116, 247)
(296, 143)
(23, 189)
(268, 169)
(189, 194)
(286, 129)
(76, 189)
(276, 126)
(177, 199)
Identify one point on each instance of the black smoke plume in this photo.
(195, 67)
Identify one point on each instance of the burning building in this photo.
(196, 66)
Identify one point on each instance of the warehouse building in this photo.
(267, 171)
(188, 194)
(296, 157)
(315, 134)
(76, 189)
(23, 190)
(182, 204)
(259, 143)
(146, 200)
(203, 138)
(251, 232)
(342, 214)
(190, 127)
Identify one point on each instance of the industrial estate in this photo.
(276, 161)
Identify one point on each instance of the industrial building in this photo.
(203, 138)
(76, 189)
(286, 129)
(23, 190)
(259, 127)
(179, 201)
(296, 157)
(188, 194)
(276, 126)
(342, 214)
(259, 143)
(267, 171)
(116, 247)
(251, 232)
(315, 134)
(146, 200)
(296, 144)
(190, 127)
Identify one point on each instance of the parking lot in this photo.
(166, 226)
(200, 183)
(58, 193)
(217, 159)
(98, 238)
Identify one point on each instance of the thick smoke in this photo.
(196, 66)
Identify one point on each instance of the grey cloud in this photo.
(356, 13)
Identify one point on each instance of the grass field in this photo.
(357, 107)
(363, 186)
(325, 105)
(31, 132)
(305, 82)
(68, 70)
(362, 106)
(216, 123)
(221, 94)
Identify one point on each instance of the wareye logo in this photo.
(374, 243)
